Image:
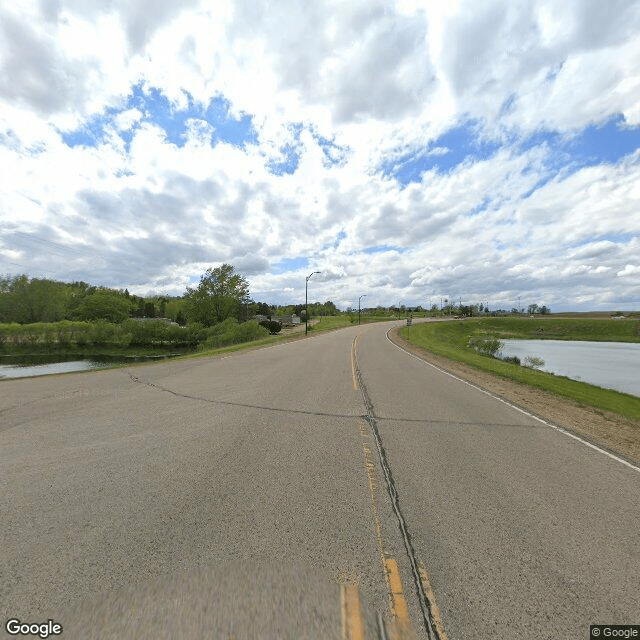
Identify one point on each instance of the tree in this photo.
(103, 304)
(149, 310)
(220, 295)
(263, 309)
(36, 300)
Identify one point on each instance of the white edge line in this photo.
(513, 406)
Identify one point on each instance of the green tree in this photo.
(103, 304)
(149, 309)
(220, 295)
(263, 309)
(175, 309)
(37, 300)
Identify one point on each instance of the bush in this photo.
(486, 347)
(156, 333)
(229, 332)
(533, 362)
(271, 326)
(250, 331)
(512, 360)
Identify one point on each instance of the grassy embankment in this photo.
(455, 340)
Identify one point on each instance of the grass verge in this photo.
(328, 323)
(451, 340)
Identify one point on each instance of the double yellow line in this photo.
(400, 628)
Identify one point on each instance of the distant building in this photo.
(165, 320)
(283, 320)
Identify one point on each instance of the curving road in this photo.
(333, 487)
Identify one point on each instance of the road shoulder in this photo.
(605, 429)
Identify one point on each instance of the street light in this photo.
(306, 303)
(364, 295)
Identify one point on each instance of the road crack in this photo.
(428, 607)
(242, 405)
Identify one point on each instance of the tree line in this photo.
(26, 301)
(221, 294)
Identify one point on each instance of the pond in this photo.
(613, 365)
(22, 366)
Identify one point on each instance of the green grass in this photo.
(451, 340)
(550, 328)
(328, 323)
(235, 347)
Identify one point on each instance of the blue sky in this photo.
(404, 153)
(595, 144)
(156, 109)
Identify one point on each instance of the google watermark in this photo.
(46, 629)
(598, 631)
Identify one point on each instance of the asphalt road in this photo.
(334, 487)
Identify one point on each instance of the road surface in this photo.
(333, 487)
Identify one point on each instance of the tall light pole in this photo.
(306, 303)
(364, 295)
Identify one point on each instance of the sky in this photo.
(409, 151)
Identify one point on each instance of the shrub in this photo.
(272, 326)
(486, 347)
(229, 332)
(250, 331)
(512, 360)
(533, 362)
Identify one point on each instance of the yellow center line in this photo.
(373, 486)
(436, 620)
(353, 361)
(401, 628)
(352, 623)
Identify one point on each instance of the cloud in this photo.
(33, 73)
(629, 270)
(475, 150)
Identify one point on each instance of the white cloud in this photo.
(629, 270)
(126, 119)
(382, 80)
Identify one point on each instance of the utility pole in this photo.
(306, 303)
